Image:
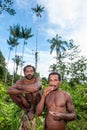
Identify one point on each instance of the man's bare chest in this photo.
(56, 98)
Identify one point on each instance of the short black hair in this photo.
(54, 73)
(29, 66)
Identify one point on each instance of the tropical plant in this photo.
(72, 66)
(38, 10)
(18, 61)
(59, 45)
(10, 114)
(13, 43)
(21, 33)
(15, 34)
(78, 71)
(6, 5)
(15, 30)
(2, 67)
(25, 34)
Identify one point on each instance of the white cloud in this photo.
(44, 62)
(69, 18)
(23, 4)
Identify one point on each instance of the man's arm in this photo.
(71, 115)
(32, 87)
(14, 88)
(41, 104)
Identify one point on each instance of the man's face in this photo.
(29, 73)
(54, 81)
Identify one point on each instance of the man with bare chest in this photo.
(59, 105)
(26, 92)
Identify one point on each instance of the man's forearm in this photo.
(30, 88)
(14, 91)
(69, 116)
(40, 106)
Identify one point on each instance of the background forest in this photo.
(69, 62)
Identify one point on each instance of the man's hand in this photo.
(48, 90)
(56, 115)
(25, 103)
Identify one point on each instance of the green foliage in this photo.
(10, 114)
(2, 66)
(6, 5)
(79, 96)
(39, 123)
(70, 63)
(38, 10)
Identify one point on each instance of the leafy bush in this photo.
(10, 114)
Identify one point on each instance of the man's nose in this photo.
(53, 83)
(29, 72)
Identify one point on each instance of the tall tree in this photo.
(25, 34)
(15, 30)
(78, 71)
(15, 34)
(21, 33)
(18, 61)
(6, 5)
(12, 42)
(38, 10)
(77, 64)
(57, 44)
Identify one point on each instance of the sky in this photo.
(67, 18)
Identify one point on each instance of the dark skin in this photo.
(59, 105)
(26, 92)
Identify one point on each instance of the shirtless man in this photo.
(26, 92)
(59, 105)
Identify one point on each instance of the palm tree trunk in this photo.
(36, 51)
(22, 59)
(14, 66)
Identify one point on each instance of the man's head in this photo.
(29, 71)
(54, 79)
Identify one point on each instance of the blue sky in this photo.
(67, 18)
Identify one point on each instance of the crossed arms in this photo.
(19, 88)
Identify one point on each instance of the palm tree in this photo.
(12, 42)
(38, 10)
(25, 34)
(18, 61)
(15, 33)
(6, 5)
(20, 32)
(58, 45)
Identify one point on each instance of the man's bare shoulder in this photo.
(66, 94)
(19, 82)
